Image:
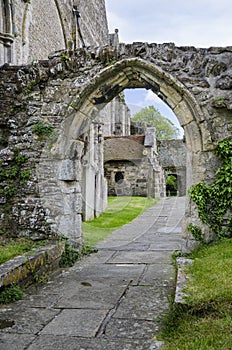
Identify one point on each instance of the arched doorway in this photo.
(72, 87)
(103, 87)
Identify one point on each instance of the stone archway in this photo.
(138, 73)
(69, 90)
(133, 73)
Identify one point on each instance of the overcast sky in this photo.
(200, 23)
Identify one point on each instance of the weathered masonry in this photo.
(26, 33)
(132, 167)
(172, 156)
(63, 95)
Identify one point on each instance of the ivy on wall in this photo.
(214, 201)
(12, 175)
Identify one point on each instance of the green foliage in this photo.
(171, 181)
(218, 99)
(41, 129)
(196, 231)
(86, 250)
(11, 294)
(25, 174)
(12, 174)
(165, 129)
(64, 57)
(29, 87)
(171, 184)
(20, 158)
(70, 255)
(214, 202)
(12, 248)
(204, 322)
(112, 61)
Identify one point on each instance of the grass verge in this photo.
(121, 210)
(11, 294)
(205, 322)
(12, 248)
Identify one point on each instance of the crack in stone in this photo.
(102, 328)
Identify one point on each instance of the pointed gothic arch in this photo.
(138, 73)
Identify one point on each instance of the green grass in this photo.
(11, 294)
(8, 250)
(205, 322)
(121, 210)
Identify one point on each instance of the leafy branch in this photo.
(214, 201)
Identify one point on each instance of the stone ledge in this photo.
(181, 279)
(22, 269)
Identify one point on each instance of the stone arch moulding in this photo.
(134, 73)
(138, 73)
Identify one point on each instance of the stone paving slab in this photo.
(73, 323)
(147, 257)
(131, 246)
(15, 341)
(165, 246)
(101, 257)
(92, 295)
(47, 300)
(51, 342)
(130, 328)
(155, 237)
(112, 300)
(125, 271)
(144, 303)
(156, 276)
(27, 320)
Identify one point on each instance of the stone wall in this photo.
(131, 165)
(31, 30)
(66, 94)
(173, 159)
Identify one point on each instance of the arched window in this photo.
(6, 31)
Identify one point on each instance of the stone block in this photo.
(81, 323)
(67, 170)
(19, 269)
(183, 113)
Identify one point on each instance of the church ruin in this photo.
(52, 110)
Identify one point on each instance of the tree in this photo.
(150, 116)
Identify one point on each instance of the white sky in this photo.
(200, 23)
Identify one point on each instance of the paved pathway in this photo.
(110, 300)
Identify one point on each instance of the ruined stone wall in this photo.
(65, 93)
(31, 30)
(135, 176)
(93, 22)
(173, 158)
(131, 165)
(115, 117)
